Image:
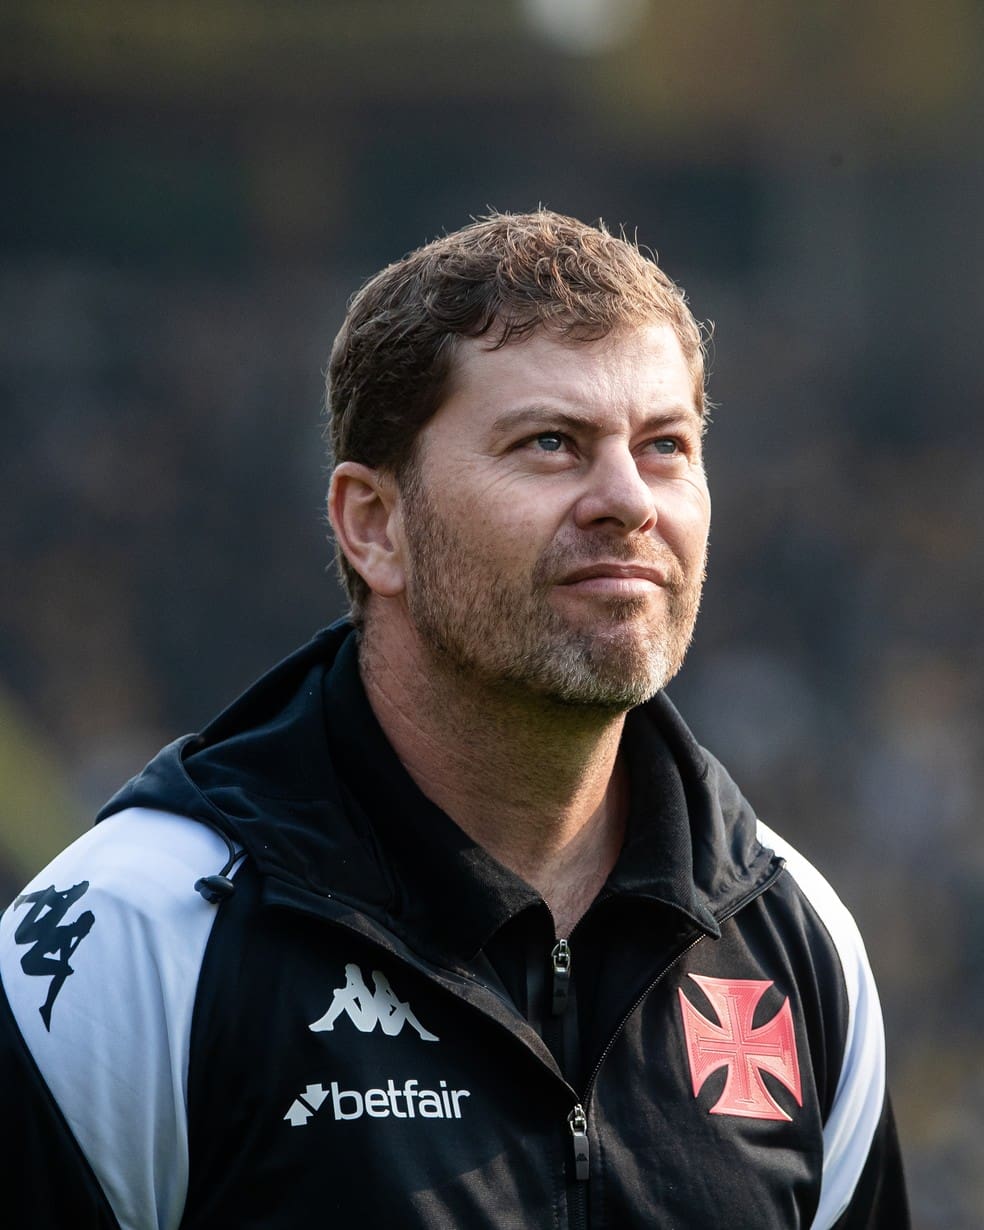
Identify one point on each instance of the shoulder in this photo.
(838, 925)
(99, 960)
(120, 897)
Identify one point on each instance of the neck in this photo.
(536, 783)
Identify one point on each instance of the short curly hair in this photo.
(507, 276)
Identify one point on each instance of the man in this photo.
(482, 936)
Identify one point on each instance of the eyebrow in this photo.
(540, 415)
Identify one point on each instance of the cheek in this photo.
(511, 547)
(483, 542)
(506, 525)
(686, 520)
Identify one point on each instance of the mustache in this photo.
(562, 558)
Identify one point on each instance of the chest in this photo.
(329, 1073)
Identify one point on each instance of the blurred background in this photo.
(192, 190)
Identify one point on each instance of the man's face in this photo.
(556, 520)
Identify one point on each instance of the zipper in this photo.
(560, 961)
(577, 1201)
(564, 1012)
(577, 1121)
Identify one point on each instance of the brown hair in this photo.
(507, 274)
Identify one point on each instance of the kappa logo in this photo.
(53, 942)
(366, 1009)
(406, 1101)
(746, 1051)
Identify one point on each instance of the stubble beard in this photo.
(481, 626)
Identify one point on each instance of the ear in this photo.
(363, 509)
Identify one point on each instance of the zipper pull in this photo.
(577, 1121)
(560, 959)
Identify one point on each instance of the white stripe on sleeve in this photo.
(114, 1052)
(860, 1095)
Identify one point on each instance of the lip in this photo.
(616, 578)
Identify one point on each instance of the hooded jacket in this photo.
(362, 1019)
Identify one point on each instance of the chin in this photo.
(603, 673)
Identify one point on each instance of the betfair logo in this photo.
(366, 1009)
(407, 1101)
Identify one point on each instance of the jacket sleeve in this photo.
(862, 1187)
(45, 1179)
(879, 1200)
(99, 963)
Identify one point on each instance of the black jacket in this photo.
(378, 1026)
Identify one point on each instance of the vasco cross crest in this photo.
(746, 1051)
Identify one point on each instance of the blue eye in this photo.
(550, 442)
(666, 446)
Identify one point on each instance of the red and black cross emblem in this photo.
(745, 1050)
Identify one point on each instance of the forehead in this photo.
(627, 373)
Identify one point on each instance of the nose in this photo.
(616, 494)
